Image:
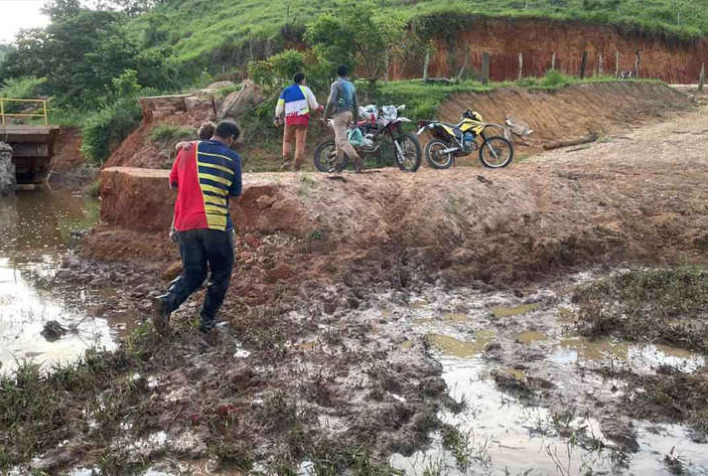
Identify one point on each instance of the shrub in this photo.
(165, 133)
(105, 129)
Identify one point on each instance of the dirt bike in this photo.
(380, 126)
(459, 140)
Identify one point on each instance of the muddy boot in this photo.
(286, 166)
(160, 316)
(358, 165)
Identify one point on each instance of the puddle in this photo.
(639, 357)
(454, 347)
(504, 435)
(529, 337)
(500, 312)
(36, 230)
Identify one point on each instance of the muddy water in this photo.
(500, 335)
(37, 229)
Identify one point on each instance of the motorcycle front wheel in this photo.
(436, 159)
(496, 152)
(326, 157)
(407, 152)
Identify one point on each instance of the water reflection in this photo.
(36, 230)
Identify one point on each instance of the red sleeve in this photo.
(174, 182)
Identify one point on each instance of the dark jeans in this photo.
(199, 249)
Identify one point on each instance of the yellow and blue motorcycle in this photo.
(462, 139)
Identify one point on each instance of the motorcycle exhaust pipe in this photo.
(450, 150)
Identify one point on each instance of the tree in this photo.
(80, 54)
(355, 37)
(27, 56)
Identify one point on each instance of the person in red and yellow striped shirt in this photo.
(205, 174)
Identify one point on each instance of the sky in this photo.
(19, 14)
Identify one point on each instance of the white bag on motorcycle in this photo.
(390, 113)
(369, 113)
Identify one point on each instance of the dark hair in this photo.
(206, 130)
(298, 78)
(342, 71)
(227, 129)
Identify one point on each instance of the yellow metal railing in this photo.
(38, 102)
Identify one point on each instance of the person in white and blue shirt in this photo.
(296, 102)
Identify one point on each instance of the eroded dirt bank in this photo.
(665, 58)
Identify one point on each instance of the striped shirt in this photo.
(206, 175)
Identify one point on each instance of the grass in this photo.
(664, 306)
(166, 133)
(236, 31)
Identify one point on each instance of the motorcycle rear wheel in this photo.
(434, 156)
(326, 157)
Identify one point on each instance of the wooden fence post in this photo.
(553, 62)
(486, 62)
(617, 64)
(600, 69)
(521, 66)
(386, 62)
(636, 64)
(425, 65)
(583, 64)
(702, 78)
(464, 65)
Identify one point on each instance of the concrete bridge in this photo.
(32, 144)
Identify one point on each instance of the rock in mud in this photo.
(239, 102)
(53, 331)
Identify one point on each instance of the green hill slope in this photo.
(233, 30)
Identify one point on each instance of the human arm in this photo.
(174, 174)
(279, 109)
(332, 100)
(355, 106)
(236, 183)
(312, 100)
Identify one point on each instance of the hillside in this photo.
(225, 31)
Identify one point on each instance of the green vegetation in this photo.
(165, 133)
(237, 31)
(106, 129)
(663, 306)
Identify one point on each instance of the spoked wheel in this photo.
(496, 152)
(407, 152)
(326, 157)
(435, 156)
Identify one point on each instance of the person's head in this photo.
(299, 78)
(206, 130)
(227, 132)
(342, 71)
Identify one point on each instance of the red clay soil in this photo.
(572, 112)
(138, 150)
(629, 199)
(668, 59)
(67, 150)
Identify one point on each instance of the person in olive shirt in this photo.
(343, 106)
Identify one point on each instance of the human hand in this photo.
(276, 122)
(184, 146)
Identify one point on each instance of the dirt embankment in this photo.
(668, 59)
(139, 150)
(628, 198)
(572, 112)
